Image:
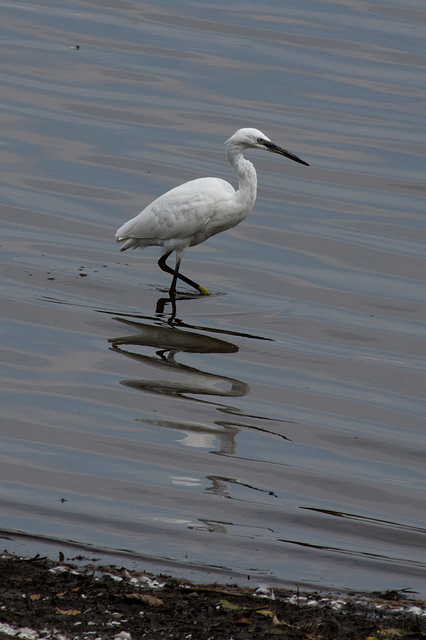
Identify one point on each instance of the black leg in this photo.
(172, 290)
(175, 273)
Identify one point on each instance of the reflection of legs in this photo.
(175, 273)
(159, 309)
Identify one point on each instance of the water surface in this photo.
(276, 429)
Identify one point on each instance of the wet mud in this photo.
(40, 598)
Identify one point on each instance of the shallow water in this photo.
(276, 430)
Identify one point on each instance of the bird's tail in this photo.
(131, 243)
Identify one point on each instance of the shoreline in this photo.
(44, 599)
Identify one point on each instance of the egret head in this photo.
(255, 139)
(248, 139)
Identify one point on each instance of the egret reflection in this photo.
(155, 344)
(168, 341)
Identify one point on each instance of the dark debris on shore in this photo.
(45, 600)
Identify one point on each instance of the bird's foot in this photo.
(203, 291)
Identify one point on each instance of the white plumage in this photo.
(192, 212)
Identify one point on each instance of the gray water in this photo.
(276, 430)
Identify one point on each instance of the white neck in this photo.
(246, 172)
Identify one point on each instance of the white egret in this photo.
(189, 214)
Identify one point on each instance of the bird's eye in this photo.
(260, 140)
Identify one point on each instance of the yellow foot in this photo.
(203, 291)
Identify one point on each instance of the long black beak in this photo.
(282, 152)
